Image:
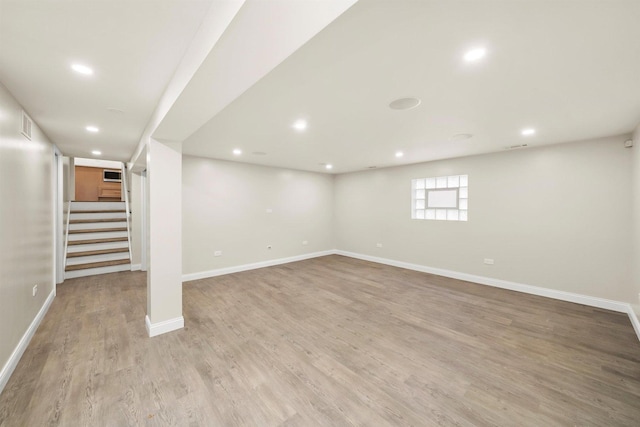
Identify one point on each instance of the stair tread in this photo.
(96, 264)
(97, 252)
(100, 211)
(89, 221)
(97, 230)
(87, 242)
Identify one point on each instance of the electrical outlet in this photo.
(304, 242)
(269, 246)
(379, 245)
(217, 253)
(488, 261)
(35, 290)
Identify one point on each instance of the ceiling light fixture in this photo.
(82, 69)
(475, 54)
(528, 132)
(328, 166)
(399, 154)
(404, 103)
(92, 129)
(96, 152)
(300, 125)
(237, 151)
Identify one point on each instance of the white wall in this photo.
(556, 217)
(136, 217)
(225, 208)
(635, 180)
(26, 224)
(164, 228)
(97, 163)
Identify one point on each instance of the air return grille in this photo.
(26, 126)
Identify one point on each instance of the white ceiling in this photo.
(569, 69)
(134, 47)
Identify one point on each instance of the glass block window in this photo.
(444, 198)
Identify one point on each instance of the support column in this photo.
(164, 231)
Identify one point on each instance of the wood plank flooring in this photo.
(330, 341)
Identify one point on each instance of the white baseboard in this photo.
(154, 329)
(621, 307)
(504, 284)
(591, 301)
(11, 364)
(136, 267)
(253, 266)
(634, 320)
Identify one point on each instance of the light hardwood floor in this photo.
(330, 341)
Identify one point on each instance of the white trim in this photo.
(591, 301)
(635, 322)
(253, 266)
(11, 364)
(144, 251)
(163, 327)
(136, 267)
(498, 283)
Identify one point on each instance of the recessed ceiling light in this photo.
(82, 69)
(461, 137)
(399, 154)
(475, 54)
(328, 166)
(96, 152)
(404, 103)
(300, 124)
(237, 151)
(528, 132)
(92, 129)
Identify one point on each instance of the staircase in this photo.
(97, 240)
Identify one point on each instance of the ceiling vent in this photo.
(515, 147)
(27, 125)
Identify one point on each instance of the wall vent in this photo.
(26, 126)
(515, 147)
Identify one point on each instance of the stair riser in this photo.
(95, 271)
(91, 236)
(94, 225)
(104, 215)
(95, 206)
(96, 246)
(97, 258)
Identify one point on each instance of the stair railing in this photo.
(125, 184)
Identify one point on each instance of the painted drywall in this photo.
(164, 277)
(555, 217)
(225, 208)
(136, 217)
(635, 188)
(97, 163)
(26, 224)
(66, 178)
